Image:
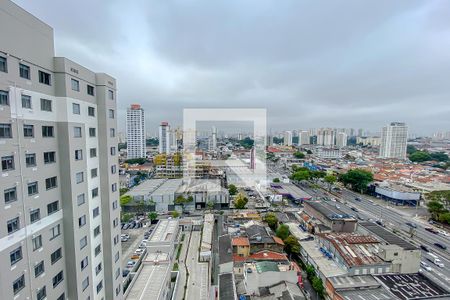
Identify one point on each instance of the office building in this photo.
(164, 138)
(59, 225)
(394, 139)
(135, 132)
(341, 140)
(288, 138)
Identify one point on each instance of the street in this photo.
(198, 286)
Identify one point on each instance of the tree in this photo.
(174, 214)
(317, 174)
(357, 179)
(180, 200)
(419, 156)
(318, 285)
(123, 191)
(133, 161)
(210, 205)
(301, 174)
(247, 143)
(282, 231)
(271, 220)
(309, 151)
(126, 217)
(435, 208)
(125, 199)
(330, 179)
(232, 189)
(152, 216)
(276, 180)
(241, 201)
(291, 245)
(141, 206)
(445, 217)
(439, 156)
(299, 155)
(410, 149)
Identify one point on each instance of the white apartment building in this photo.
(394, 138)
(341, 140)
(326, 137)
(303, 137)
(164, 138)
(288, 138)
(135, 132)
(59, 214)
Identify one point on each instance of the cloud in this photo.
(355, 63)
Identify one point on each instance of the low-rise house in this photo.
(323, 215)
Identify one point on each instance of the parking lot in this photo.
(136, 236)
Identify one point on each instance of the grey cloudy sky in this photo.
(348, 63)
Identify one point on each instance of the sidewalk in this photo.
(182, 280)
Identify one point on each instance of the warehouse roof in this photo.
(387, 236)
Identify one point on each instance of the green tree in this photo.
(152, 216)
(282, 231)
(125, 199)
(301, 174)
(133, 161)
(435, 208)
(317, 285)
(419, 156)
(180, 200)
(123, 191)
(410, 149)
(210, 205)
(439, 156)
(241, 201)
(276, 180)
(330, 179)
(174, 214)
(299, 155)
(271, 220)
(291, 245)
(357, 179)
(317, 174)
(232, 189)
(126, 217)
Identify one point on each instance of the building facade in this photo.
(394, 139)
(59, 233)
(135, 132)
(164, 138)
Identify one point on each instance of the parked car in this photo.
(424, 248)
(439, 245)
(125, 272)
(131, 263)
(379, 222)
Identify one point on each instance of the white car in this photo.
(139, 251)
(425, 266)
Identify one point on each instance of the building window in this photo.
(78, 154)
(113, 150)
(24, 71)
(83, 242)
(80, 199)
(94, 192)
(49, 157)
(85, 283)
(79, 177)
(55, 256)
(112, 132)
(5, 131)
(96, 231)
(41, 294)
(47, 131)
(46, 105)
(115, 222)
(98, 268)
(117, 273)
(75, 108)
(33, 188)
(75, 85)
(52, 207)
(18, 284)
(94, 173)
(114, 204)
(15, 255)
(114, 187)
(4, 98)
(37, 242)
(84, 263)
(111, 113)
(77, 132)
(62, 297)
(44, 78)
(3, 64)
(110, 95)
(30, 160)
(117, 256)
(39, 269)
(113, 169)
(97, 250)
(55, 231)
(92, 132)
(57, 279)
(13, 225)
(82, 221)
(99, 286)
(116, 240)
(91, 111)
(35, 215)
(28, 131)
(10, 195)
(90, 90)
(7, 163)
(50, 183)
(26, 101)
(93, 152)
(95, 212)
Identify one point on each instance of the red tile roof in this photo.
(268, 255)
(240, 241)
(278, 240)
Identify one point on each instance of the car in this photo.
(139, 251)
(358, 199)
(444, 233)
(126, 226)
(360, 218)
(125, 272)
(431, 229)
(413, 225)
(424, 248)
(354, 209)
(426, 266)
(439, 245)
(337, 206)
(123, 239)
(380, 222)
(131, 263)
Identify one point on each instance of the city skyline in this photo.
(392, 67)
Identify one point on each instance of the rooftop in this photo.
(327, 267)
(290, 190)
(225, 252)
(240, 241)
(227, 288)
(354, 282)
(387, 236)
(328, 211)
(165, 231)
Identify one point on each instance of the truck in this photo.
(434, 259)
